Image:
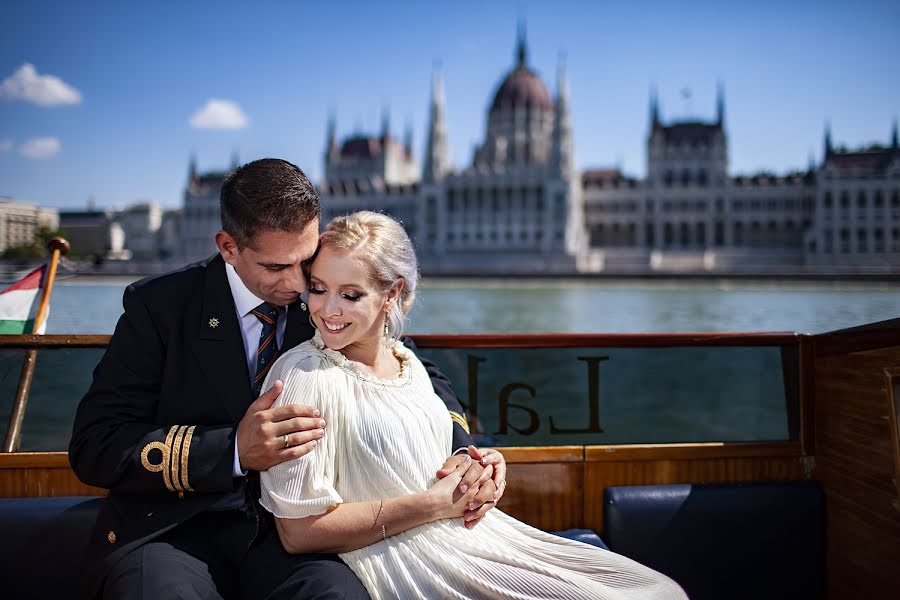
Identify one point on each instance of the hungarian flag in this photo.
(19, 304)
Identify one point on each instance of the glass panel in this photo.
(540, 397)
(527, 397)
(10, 369)
(61, 378)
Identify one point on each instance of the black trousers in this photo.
(228, 555)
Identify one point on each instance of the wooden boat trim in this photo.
(872, 336)
(613, 340)
(34, 460)
(505, 340)
(533, 454)
(54, 341)
(694, 451)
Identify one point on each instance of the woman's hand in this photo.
(444, 498)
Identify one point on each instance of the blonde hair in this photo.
(383, 245)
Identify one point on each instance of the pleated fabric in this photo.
(386, 439)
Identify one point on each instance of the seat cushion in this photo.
(742, 540)
(582, 535)
(43, 544)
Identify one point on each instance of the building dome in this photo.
(522, 88)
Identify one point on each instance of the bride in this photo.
(363, 494)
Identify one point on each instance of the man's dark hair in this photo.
(269, 194)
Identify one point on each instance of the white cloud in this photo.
(6, 145)
(219, 114)
(44, 90)
(43, 147)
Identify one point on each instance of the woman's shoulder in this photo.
(302, 357)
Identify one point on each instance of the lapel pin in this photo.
(303, 306)
(214, 322)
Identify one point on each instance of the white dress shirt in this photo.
(244, 302)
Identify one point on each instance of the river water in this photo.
(572, 306)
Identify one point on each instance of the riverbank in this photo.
(770, 275)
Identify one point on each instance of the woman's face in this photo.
(345, 306)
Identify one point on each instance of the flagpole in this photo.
(57, 246)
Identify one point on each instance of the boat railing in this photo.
(572, 413)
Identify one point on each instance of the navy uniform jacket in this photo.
(158, 424)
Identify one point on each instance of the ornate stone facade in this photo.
(520, 206)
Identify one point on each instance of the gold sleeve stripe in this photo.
(174, 453)
(460, 419)
(175, 462)
(185, 451)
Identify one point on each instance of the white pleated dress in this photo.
(386, 439)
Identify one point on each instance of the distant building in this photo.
(520, 206)
(141, 225)
(201, 217)
(170, 234)
(20, 221)
(689, 213)
(857, 206)
(515, 209)
(94, 233)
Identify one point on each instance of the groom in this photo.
(176, 426)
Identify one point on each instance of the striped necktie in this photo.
(268, 344)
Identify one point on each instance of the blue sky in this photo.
(133, 74)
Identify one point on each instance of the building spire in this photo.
(331, 139)
(720, 104)
(521, 47)
(437, 162)
(828, 147)
(562, 149)
(408, 138)
(654, 108)
(192, 167)
(385, 125)
(895, 143)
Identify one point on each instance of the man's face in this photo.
(272, 267)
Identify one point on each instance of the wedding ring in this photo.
(285, 438)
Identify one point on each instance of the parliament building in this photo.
(522, 207)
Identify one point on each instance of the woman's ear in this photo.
(393, 294)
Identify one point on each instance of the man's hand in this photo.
(261, 433)
(480, 475)
(489, 456)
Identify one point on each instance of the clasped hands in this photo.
(480, 478)
(269, 436)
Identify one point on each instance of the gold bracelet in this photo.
(383, 533)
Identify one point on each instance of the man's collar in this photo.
(244, 299)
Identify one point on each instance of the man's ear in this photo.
(228, 248)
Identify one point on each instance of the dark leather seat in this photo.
(44, 540)
(735, 541)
